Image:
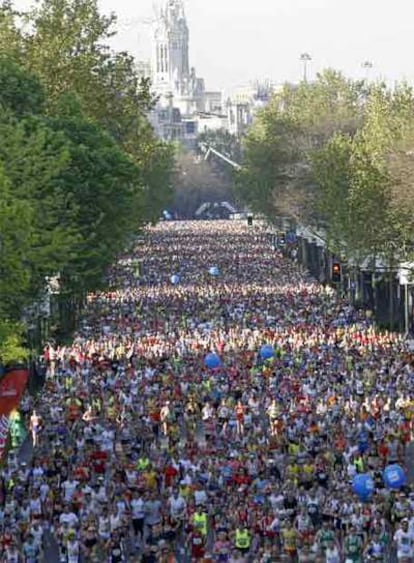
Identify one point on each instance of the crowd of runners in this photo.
(142, 453)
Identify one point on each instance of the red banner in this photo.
(12, 387)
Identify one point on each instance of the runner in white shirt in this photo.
(73, 549)
(11, 554)
(36, 531)
(138, 515)
(69, 487)
(404, 541)
(178, 506)
(165, 415)
(104, 525)
(69, 517)
(332, 554)
(115, 520)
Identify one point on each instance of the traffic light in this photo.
(336, 272)
(250, 220)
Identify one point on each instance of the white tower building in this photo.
(183, 102)
(171, 72)
(170, 49)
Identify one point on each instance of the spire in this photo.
(174, 10)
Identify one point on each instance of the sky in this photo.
(233, 42)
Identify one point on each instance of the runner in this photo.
(148, 454)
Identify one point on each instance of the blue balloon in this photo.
(175, 279)
(363, 486)
(394, 476)
(213, 271)
(267, 352)
(212, 361)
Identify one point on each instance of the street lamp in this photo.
(305, 58)
(367, 65)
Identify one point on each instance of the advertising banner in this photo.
(12, 387)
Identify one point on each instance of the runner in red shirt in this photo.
(197, 545)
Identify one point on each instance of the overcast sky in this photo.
(235, 41)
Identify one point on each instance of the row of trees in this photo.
(337, 153)
(80, 168)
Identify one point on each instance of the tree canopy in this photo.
(336, 152)
(81, 170)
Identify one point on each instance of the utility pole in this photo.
(305, 58)
(406, 309)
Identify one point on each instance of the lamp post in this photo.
(404, 275)
(305, 58)
(367, 66)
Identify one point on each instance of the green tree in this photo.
(16, 229)
(11, 39)
(71, 198)
(31, 238)
(65, 43)
(33, 155)
(364, 181)
(157, 178)
(104, 195)
(12, 348)
(67, 47)
(20, 92)
(277, 177)
(331, 167)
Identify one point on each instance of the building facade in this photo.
(184, 108)
(244, 103)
